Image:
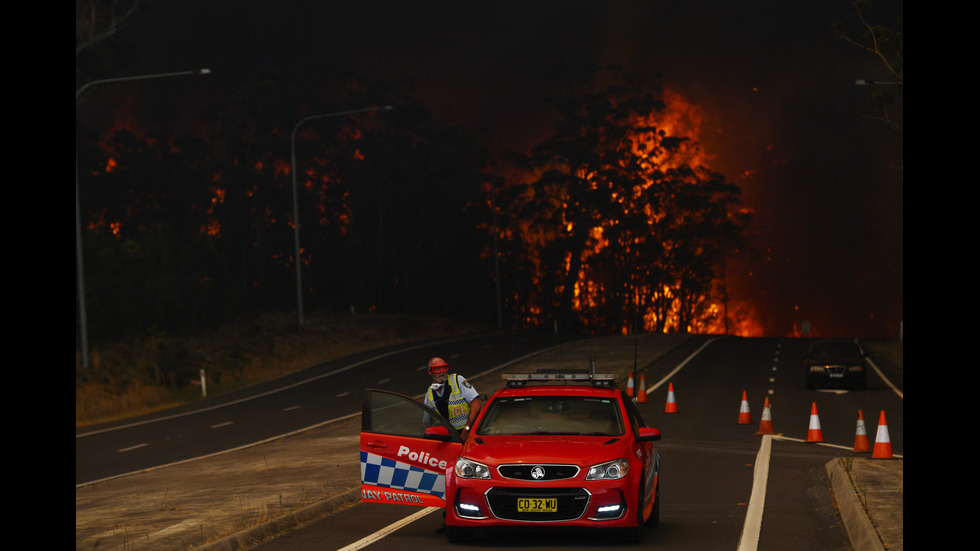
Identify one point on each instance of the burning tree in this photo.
(617, 223)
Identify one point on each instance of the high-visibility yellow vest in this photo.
(459, 409)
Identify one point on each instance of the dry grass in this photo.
(157, 372)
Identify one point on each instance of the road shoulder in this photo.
(870, 497)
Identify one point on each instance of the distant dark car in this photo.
(835, 363)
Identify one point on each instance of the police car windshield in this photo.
(566, 415)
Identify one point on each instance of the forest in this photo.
(612, 223)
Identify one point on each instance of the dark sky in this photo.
(782, 116)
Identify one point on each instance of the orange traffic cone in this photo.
(861, 443)
(629, 385)
(815, 434)
(765, 427)
(641, 396)
(883, 445)
(744, 416)
(671, 401)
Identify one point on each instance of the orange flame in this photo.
(652, 143)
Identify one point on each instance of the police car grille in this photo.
(551, 472)
(572, 503)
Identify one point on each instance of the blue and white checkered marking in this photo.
(388, 473)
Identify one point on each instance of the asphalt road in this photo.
(708, 461)
(330, 390)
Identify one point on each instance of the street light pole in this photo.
(292, 171)
(201, 72)
(82, 314)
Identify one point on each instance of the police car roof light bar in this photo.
(597, 379)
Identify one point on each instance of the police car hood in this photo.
(555, 449)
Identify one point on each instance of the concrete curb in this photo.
(280, 525)
(860, 530)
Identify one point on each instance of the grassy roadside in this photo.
(160, 371)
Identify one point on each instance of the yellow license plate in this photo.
(536, 505)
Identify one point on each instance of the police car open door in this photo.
(406, 449)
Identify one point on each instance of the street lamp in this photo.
(83, 317)
(292, 171)
(201, 72)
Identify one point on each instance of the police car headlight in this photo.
(612, 470)
(471, 469)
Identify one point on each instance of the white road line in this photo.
(230, 450)
(137, 446)
(749, 540)
(802, 441)
(364, 542)
(341, 395)
(273, 391)
(383, 381)
(300, 430)
(225, 424)
(680, 366)
(291, 408)
(894, 388)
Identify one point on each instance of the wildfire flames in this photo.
(680, 118)
(660, 307)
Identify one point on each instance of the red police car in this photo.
(549, 450)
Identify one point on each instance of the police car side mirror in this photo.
(648, 435)
(439, 433)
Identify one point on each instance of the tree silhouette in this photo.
(619, 229)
